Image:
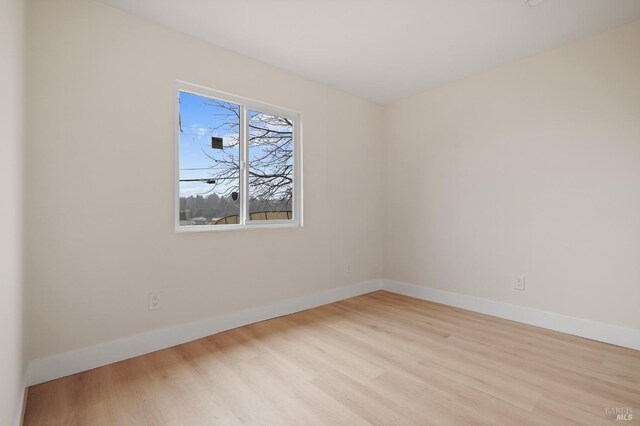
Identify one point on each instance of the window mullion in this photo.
(244, 173)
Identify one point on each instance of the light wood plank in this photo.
(381, 358)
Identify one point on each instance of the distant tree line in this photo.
(215, 206)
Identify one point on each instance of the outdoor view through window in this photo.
(211, 151)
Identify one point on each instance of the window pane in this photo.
(270, 140)
(209, 161)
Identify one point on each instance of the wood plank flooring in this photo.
(380, 359)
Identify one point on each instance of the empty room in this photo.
(319, 212)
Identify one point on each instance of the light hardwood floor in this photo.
(375, 359)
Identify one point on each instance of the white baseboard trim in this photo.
(53, 367)
(603, 332)
(44, 369)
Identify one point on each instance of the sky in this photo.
(200, 120)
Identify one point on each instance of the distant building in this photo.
(200, 221)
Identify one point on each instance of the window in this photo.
(238, 161)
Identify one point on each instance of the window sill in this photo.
(221, 228)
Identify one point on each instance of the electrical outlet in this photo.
(519, 283)
(154, 301)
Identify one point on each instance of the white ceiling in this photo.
(384, 50)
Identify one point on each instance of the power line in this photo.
(209, 181)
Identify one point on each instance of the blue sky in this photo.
(200, 120)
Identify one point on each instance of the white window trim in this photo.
(245, 104)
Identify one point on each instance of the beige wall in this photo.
(530, 169)
(100, 144)
(533, 169)
(11, 359)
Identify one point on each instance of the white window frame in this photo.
(245, 106)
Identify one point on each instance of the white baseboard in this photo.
(603, 332)
(49, 368)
